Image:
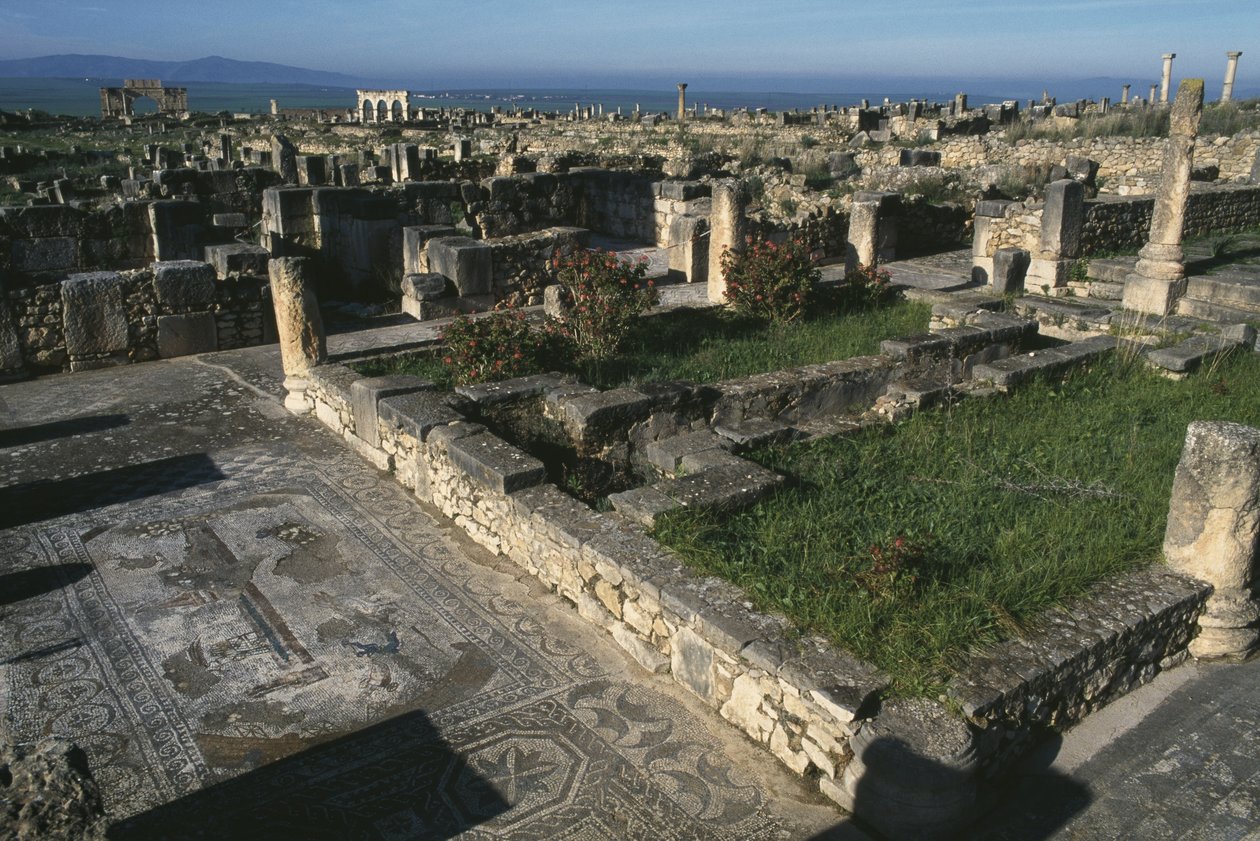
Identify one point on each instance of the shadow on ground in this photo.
(395, 779)
(23, 435)
(47, 499)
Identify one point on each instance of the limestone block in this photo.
(237, 258)
(691, 661)
(178, 230)
(94, 314)
(493, 463)
(184, 283)
(414, 239)
(467, 262)
(229, 220)
(1213, 530)
(1152, 295)
(365, 394)
(1010, 267)
(44, 254)
(184, 335)
(1062, 219)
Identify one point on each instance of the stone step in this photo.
(1111, 269)
(1106, 291)
(729, 484)
(1241, 291)
(1189, 356)
(1212, 311)
(1013, 370)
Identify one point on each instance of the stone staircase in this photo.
(1232, 295)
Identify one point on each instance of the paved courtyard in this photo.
(253, 633)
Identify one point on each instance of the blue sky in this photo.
(732, 44)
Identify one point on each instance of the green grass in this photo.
(1009, 506)
(714, 344)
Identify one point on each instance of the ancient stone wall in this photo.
(97, 319)
(1113, 223)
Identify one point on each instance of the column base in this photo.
(1151, 295)
(295, 401)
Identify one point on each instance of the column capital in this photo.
(1168, 56)
(1233, 54)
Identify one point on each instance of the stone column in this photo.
(1166, 79)
(682, 102)
(1213, 531)
(1231, 70)
(728, 227)
(298, 326)
(1060, 242)
(960, 104)
(1154, 92)
(1124, 95)
(1159, 276)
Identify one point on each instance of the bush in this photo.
(868, 284)
(496, 346)
(768, 281)
(605, 295)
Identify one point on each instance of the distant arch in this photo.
(379, 106)
(365, 111)
(396, 112)
(382, 111)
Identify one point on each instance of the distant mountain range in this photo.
(209, 69)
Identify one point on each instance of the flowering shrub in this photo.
(496, 346)
(768, 281)
(868, 284)
(604, 297)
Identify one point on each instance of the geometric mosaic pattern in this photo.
(287, 646)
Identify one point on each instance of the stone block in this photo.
(178, 230)
(691, 662)
(44, 254)
(1062, 220)
(184, 283)
(494, 463)
(94, 314)
(414, 238)
(591, 417)
(418, 413)
(467, 262)
(1010, 267)
(418, 289)
(230, 220)
(1152, 295)
(185, 335)
(365, 394)
(237, 258)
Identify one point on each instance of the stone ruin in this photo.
(235, 242)
(120, 102)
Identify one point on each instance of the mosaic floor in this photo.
(253, 633)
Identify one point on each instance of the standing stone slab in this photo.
(689, 252)
(1010, 266)
(184, 283)
(1214, 529)
(94, 314)
(467, 262)
(12, 364)
(185, 335)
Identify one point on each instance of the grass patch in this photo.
(1005, 507)
(714, 344)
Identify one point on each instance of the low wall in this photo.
(817, 709)
(98, 319)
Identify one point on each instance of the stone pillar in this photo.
(682, 103)
(1060, 243)
(298, 325)
(1159, 276)
(728, 227)
(1213, 531)
(1124, 95)
(1154, 92)
(872, 237)
(1231, 70)
(960, 104)
(1166, 78)
(982, 238)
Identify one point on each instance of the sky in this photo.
(800, 45)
